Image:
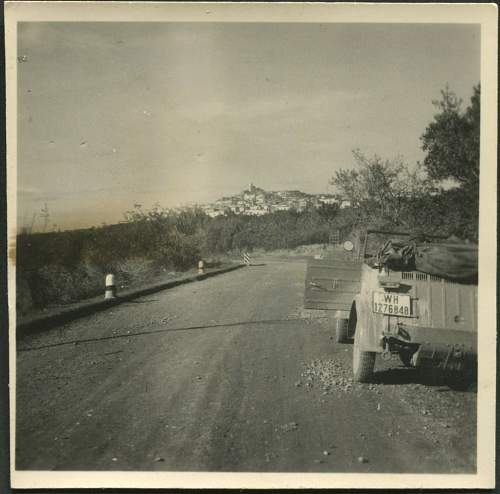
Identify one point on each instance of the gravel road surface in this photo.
(228, 374)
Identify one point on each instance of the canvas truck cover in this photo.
(452, 261)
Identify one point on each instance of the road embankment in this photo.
(62, 315)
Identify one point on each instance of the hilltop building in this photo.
(256, 201)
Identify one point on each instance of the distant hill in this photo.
(256, 201)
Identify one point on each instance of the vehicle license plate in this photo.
(392, 304)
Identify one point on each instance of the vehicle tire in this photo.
(363, 364)
(341, 331)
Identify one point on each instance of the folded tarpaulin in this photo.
(398, 255)
(456, 262)
(453, 261)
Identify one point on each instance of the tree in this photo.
(326, 211)
(377, 188)
(451, 141)
(389, 193)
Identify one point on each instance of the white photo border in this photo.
(482, 14)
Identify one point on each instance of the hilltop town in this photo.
(255, 201)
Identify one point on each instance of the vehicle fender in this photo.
(352, 320)
(369, 326)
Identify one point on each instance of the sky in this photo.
(113, 114)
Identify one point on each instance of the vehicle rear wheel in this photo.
(341, 328)
(363, 364)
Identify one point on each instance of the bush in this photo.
(67, 266)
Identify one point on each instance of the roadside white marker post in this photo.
(110, 292)
(201, 266)
(246, 258)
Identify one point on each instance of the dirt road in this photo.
(228, 374)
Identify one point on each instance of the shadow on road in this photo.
(168, 330)
(406, 375)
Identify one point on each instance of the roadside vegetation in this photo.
(439, 195)
(61, 267)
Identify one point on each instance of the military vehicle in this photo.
(411, 297)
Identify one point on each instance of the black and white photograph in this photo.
(251, 245)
